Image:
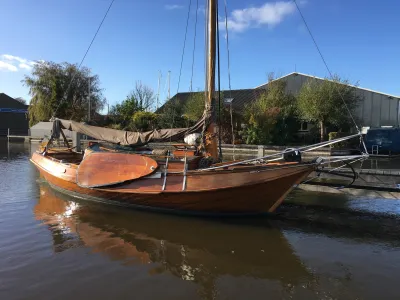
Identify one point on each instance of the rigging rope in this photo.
(338, 168)
(305, 149)
(227, 49)
(324, 61)
(229, 74)
(219, 91)
(194, 45)
(87, 51)
(184, 45)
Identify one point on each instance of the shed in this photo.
(13, 116)
(377, 109)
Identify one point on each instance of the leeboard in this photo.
(100, 169)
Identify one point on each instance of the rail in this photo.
(11, 132)
(305, 149)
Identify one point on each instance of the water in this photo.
(315, 247)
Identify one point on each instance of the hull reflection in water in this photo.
(192, 249)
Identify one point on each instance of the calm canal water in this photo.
(316, 247)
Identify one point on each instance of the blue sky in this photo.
(359, 39)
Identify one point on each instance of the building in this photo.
(13, 116)
(376, 109)
(240, 98)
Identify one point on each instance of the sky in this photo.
(360, 41)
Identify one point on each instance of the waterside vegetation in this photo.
(275, 116)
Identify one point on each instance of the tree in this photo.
(172, 115)
(141, 98)
(271, 118)
(259, 125)
(194, 107)
(62, 90)
(144, 121)
(325, 102)
(122, 113)
(144, 95)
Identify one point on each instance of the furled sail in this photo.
(126, 138)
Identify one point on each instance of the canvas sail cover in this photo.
(126, 138)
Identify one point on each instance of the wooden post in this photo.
(260, 152)
(76, 141)
(65, 138)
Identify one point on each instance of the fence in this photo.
(250, 151)
(14, 132)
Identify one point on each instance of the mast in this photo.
(211, 139)
(89, 108)
(158, 89)
(169, 85)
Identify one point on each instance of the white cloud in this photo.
(269, 14)
(173, 6)
(25, 66)
(4, 66)
(14, 58)
(14, 63)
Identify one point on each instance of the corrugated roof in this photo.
(319, 78)
(245, 96)
(240, 97)
(9, 102)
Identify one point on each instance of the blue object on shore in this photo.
(383, 140)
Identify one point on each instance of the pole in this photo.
(158, 89)
(89, 101)
(169, 85)
(233, 133)
(211, 133)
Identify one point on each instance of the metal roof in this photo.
(240, 97)
(244, 96)
(319, 78)
(9, 102)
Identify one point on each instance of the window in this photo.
(304, 126)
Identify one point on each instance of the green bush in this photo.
(345, 144)
(144, 121)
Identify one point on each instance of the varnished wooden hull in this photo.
(243, 190)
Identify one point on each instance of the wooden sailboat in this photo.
(177, 183)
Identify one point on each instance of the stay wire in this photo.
(86, 53)
(219, 91)
(325, 63)
(194, 45)
(229, 74)
(227, 49)
(184, 44)
(337, 168)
